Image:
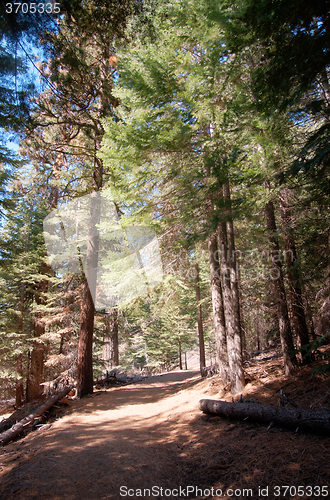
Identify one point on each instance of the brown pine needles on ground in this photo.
(152, 432)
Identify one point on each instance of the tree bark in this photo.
(19, 360)
(115, 340)
(180, 354)
(297, 304)
(218, 310)
(85, 347)
(34, 389)
(282, 308)
(305, 420)
(200, 324)
(110, 351)
(231, 302)
(243, 327)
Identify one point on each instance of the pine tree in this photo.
(82, 66)
(22, 249)
(285, 47)
(297, 304)
(166, 137)
(200, 323)
(282, 309)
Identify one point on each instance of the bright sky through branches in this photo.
(129, 262)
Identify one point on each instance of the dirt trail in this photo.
(152, 434)
(122, 437)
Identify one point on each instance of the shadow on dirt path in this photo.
(121, 437)
(119, 442)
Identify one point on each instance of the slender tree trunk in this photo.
(243, 327)
(111, 343)
(231, 301)
(233, 266)
(310, 317)
(282, 308)
(85, 347)
(257, 330)
(115, 339)
(237, 354)
(180, 354)
(225, 299)
(19, 360)
(297, 305)
(34, 388)
(200, 324)
(218, 310)
(19, 380)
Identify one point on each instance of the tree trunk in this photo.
(257, 329)
(34, 388)
(305, 420)
(115, 340)
(218, 310)
(111, 344)
(310, 317)
(19, 380)
(297, 305)
(200, 324)
(19, 360)
(243, 327)
(180, 354)
(231, 303)
(85, 347)
(282, 308)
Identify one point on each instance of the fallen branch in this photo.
(284, 397)
(16, 429)
(305, 420)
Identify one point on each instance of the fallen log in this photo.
(17, 428)
(305, 420)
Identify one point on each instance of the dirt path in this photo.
(126, 436)
(152, 434)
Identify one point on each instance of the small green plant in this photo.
(312, 351)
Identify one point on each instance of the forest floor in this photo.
(119, 442)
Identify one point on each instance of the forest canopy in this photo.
(204, 129)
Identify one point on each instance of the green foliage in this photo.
(285, 45)
(20, 256)
(157, 324)
(197, 94)
(291, 41)
(313, 351)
